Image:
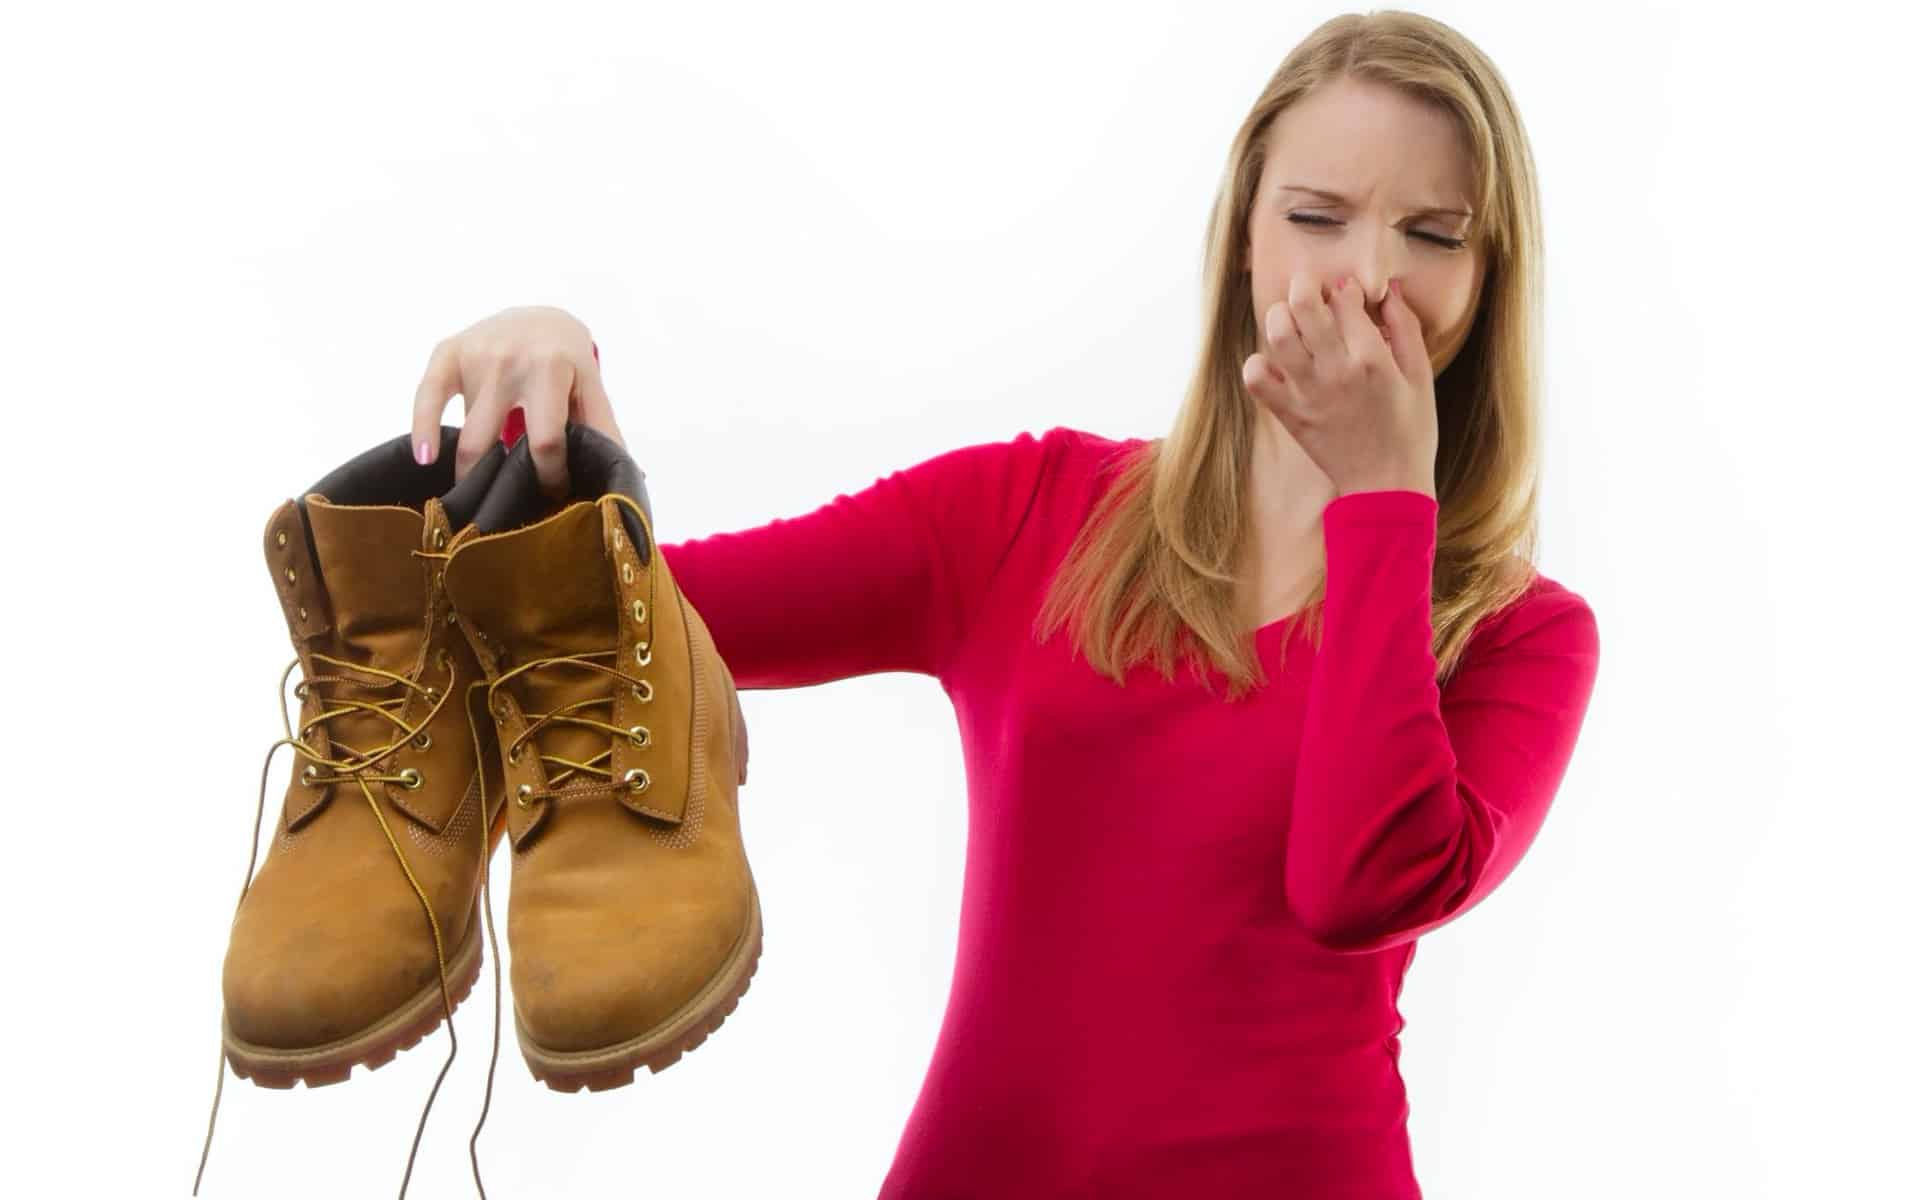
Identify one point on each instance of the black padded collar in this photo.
(387, 474)
(596, 466)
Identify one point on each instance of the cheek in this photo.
(1441, 310)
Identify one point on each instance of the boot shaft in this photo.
(601, 685)
(357, 561)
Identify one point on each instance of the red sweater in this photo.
(1185, 921)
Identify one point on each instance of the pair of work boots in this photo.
(480, 660)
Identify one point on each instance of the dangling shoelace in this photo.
(358, 768)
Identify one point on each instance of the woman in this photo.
(1187, 915)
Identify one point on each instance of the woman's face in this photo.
(1387, 157)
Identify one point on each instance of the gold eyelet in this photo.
(303, 613)
(619, 540)
(444, 660)
(423, 741)
(300, 689)
(453, 618)
(439, 538)
(641, 654)
(525, 791)
(433, 695)
(410, 779)
(310, 776)
(626, 572)
(643, 691)
(513, 753)
(640, 611)
(639, 736)
(290, 575)
(636, 780)
(500, 710)
(280, 537)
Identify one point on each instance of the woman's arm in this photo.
(882, 579)
(1410, 805)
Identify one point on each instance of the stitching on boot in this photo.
(683, 836)
(457, 825)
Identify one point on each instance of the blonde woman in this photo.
(1247, 708)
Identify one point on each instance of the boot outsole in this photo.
(378, 1044)
(662, 1046)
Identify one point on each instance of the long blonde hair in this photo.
(1152, 573)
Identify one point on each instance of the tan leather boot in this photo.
(633, 919)
(361, 931)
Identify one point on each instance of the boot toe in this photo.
(323, 978)
(582, 984)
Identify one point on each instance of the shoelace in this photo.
(357, 767)
(636, 779)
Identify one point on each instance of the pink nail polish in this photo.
(420, 452)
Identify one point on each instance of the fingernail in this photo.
(1395, 285)
(420, 452)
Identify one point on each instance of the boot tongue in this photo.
(377, 589)
(543, 591)
(375, 584)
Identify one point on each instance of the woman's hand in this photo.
(538, 358)
(1359, 400)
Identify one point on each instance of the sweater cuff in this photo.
(1393, 506)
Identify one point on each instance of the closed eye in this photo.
(1308, 219)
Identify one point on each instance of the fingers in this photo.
(545, 406)
(591, 406)
(486, 413)
(534, 358)
(1286, 350)
(1261, 379)
(437, 386)
(1352, 325)
(1315, 326)
(1408, 341)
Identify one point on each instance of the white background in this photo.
(819, 242)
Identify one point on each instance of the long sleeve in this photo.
(883, 579)
(1410, 804)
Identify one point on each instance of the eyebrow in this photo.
(1337, 198)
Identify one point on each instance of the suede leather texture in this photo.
(330, 937)
(625, 903)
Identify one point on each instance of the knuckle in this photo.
(487, 359)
